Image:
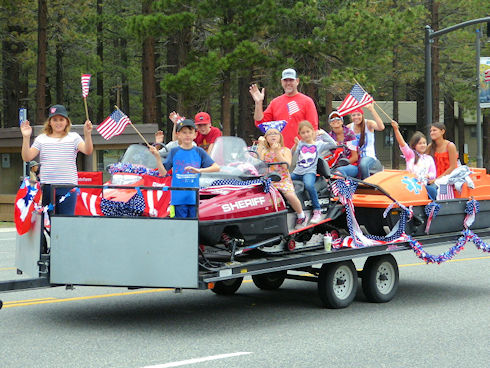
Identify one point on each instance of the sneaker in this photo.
(317, 217)
(301, 222)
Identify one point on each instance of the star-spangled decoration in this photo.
(132, 208)
(277, 124)
(233, 184)
(132, 169)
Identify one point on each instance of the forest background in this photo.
(151, 57)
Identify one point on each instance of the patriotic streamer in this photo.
(471, 209)
(431, 211)
(467, 235)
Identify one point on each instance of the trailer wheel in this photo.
(380, 278)
(337, 284)
(227, 287)
(269, 281)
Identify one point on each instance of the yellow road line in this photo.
(22, 303)
(27, 300)
(7, 268)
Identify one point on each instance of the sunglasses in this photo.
(272, 133)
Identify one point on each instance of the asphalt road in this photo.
(439, 318)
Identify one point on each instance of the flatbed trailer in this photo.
(164, 253)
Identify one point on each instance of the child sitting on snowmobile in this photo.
(418, 162)
(309, 150)
(271, 149)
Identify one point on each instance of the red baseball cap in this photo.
(202, 118)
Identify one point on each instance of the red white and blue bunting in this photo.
(344, 190)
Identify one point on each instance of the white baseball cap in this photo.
(288, 74)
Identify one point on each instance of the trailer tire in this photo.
(227, 287)
(337, 284)
(269, 281)
(380, 278)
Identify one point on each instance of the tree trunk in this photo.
(123, 44)
(246, 127)
(11, 77)
(149, 90)
(42, 45)
(226, 104)
(172, 68)
(449, 117)
(60, 92)
(100, 54)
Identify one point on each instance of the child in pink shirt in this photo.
(418, 163)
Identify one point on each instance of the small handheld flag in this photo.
(113, 125)
(85, 84)
(85, 89)
(356, 98)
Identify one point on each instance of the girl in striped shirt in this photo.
(58, 148)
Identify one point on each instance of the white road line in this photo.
(7, 238)
(197, 360)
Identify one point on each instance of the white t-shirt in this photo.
(58, 158)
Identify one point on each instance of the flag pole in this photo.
(375, 103)
(86, 108)
(137, 131)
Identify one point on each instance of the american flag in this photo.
(487, 75)
(28, 196)
(293, 107)
(113, 125)
(85, 84)
(445, 191)
(356, 98)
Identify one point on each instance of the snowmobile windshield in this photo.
(234, 157)
(137, 154)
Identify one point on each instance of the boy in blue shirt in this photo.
(187, 163)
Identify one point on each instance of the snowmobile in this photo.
(375, 195)
(239, 208)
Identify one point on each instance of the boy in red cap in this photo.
(206, 133)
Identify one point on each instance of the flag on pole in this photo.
(113, 125)
(85, 84)
(356, 98)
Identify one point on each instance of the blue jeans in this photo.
(365, 164)
(185, 210)
(431, 191)
(67, 207)
(348, 170)
(309, 181)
